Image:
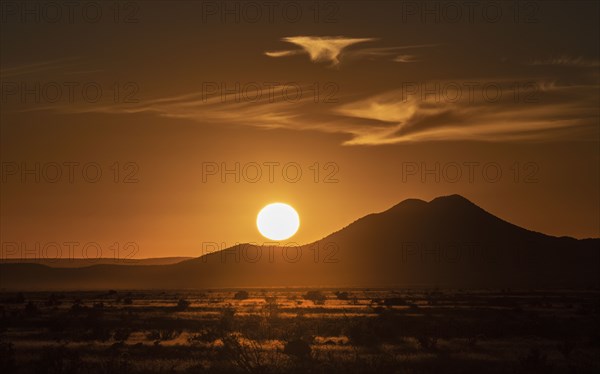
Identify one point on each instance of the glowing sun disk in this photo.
(278, 221)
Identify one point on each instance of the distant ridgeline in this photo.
(83, 262)
(447, 242)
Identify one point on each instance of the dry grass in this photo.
(304, 331)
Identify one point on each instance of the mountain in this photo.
(447, 242)
(82, 262)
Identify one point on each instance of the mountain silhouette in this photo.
(447, 242)
(82, 262)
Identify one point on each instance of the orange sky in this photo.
(387, 103)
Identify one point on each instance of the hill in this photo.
(447, 242)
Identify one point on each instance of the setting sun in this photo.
(278, 221)
(156, 157)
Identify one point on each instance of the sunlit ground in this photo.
(275, 330)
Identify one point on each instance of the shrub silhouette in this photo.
(317, 297)
(565, 347)
(271, 308)
(31, 308)
(204, 336)
(58, 360)
(53, 300)
(363, 334)
(394, 301)
(427, 342)
(163, 335)
(227, 320)
(121, 335)
(535, 361)
(117, 363)
(247, 357)
(182, 304)
(342, 295)
(7, 357)
(241, 295)
(297, 348)
(77, 307)
(19, 298)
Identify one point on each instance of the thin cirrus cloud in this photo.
(567, 61)
(59, 65)
(565, 107)
(560, 112)
(406, 58)
(333, 49)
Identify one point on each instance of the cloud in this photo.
(406, 58)
(333, 49)
(284, 53)
(387, 52)
(319, 48)
(567, 61)
(558, 112)
(38, 67)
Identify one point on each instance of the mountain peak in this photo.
(410, 203)
(453, 201)
(455, 198)
(456, 203)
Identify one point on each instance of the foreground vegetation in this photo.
(303, 331)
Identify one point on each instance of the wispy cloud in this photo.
(567, 61)
(319, 48)
(406, 58)
(334, 49)
(284, 53)
(393, 117)
(562, 112)
(37, 67)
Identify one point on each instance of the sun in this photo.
(278, 221)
